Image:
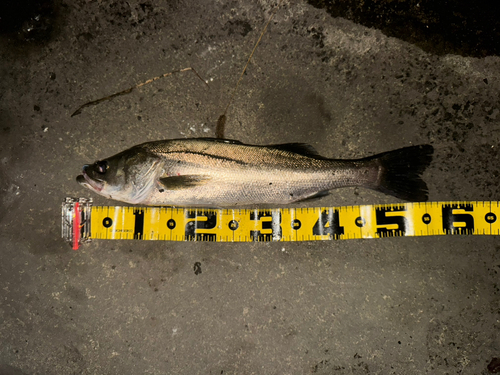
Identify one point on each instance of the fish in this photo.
(212, 172)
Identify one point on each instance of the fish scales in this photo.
(247, 174)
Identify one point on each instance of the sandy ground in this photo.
(381, 306)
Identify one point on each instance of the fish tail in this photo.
(400, 172)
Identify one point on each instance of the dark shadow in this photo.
(462, 27)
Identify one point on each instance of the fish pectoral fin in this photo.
(182, 182)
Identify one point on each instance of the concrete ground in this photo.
(381, 306)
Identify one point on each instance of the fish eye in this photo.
(102, 166)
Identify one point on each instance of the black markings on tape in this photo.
(426, 219)
(265, 225)
(328, 224)
(171, 224)
(490, 218)
(202, 219)
(233, 225)
(455, 222)
(360, 222)
(296, 224)
(139, 224)
(384, 220)
(107, 222)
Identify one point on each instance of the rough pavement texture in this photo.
(388, 306)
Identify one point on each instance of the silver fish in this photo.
(220, 173)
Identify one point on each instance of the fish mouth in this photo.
(89, 183)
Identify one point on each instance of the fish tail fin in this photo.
(400, 172)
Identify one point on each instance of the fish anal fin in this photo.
(183, 181)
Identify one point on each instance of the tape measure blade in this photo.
(291, 224)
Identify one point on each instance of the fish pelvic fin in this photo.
(400, 172)
(183, 182)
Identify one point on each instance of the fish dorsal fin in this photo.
(182, 182)
(221, 140)
(299, 148)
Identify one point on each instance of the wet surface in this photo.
(393, 305)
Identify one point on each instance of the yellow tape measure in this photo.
(82, 221)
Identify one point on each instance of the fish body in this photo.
(222, 173)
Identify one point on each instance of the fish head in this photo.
(128, 176)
